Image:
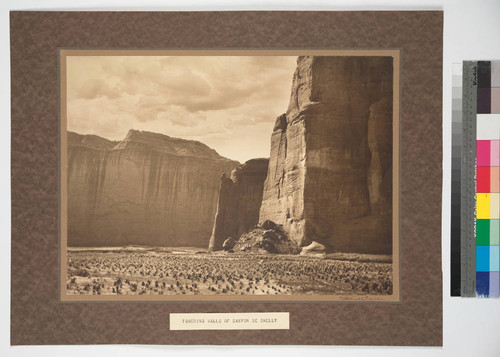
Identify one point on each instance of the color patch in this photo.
(494, 283)
(494, 205)
(494, 258)
(488, 127)
(484, 74)
(482, 284)
(495, 152)
(483, 229)
(483, 152)
(495, 100)
(483, 179)
(494, 232)
(494, 179)
(483, 206)
(483, 258)
(483, 100)
(495, 74)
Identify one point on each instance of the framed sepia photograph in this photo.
(246, 178)
(182, 180)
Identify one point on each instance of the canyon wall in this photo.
(148, 189)
(330, 170)
(239, 202)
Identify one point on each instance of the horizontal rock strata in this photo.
(148, 189)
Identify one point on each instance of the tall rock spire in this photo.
(330, 170)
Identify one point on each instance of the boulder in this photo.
(228, 244)
(314, 248)
(264, 241)
(267, 224)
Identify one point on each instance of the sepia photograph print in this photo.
(229, 175)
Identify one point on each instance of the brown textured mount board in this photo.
(38, 316)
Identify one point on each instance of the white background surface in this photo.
(471, 31)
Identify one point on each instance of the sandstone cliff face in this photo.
(330, 168)
(239, 202)
(148, 189)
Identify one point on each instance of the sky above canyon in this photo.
(229, 103)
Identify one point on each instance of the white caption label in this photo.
(231, 321)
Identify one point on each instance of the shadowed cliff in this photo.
(239, 202)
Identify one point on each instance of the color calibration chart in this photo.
(475, 201)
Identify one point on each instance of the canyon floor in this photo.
(188, 271)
